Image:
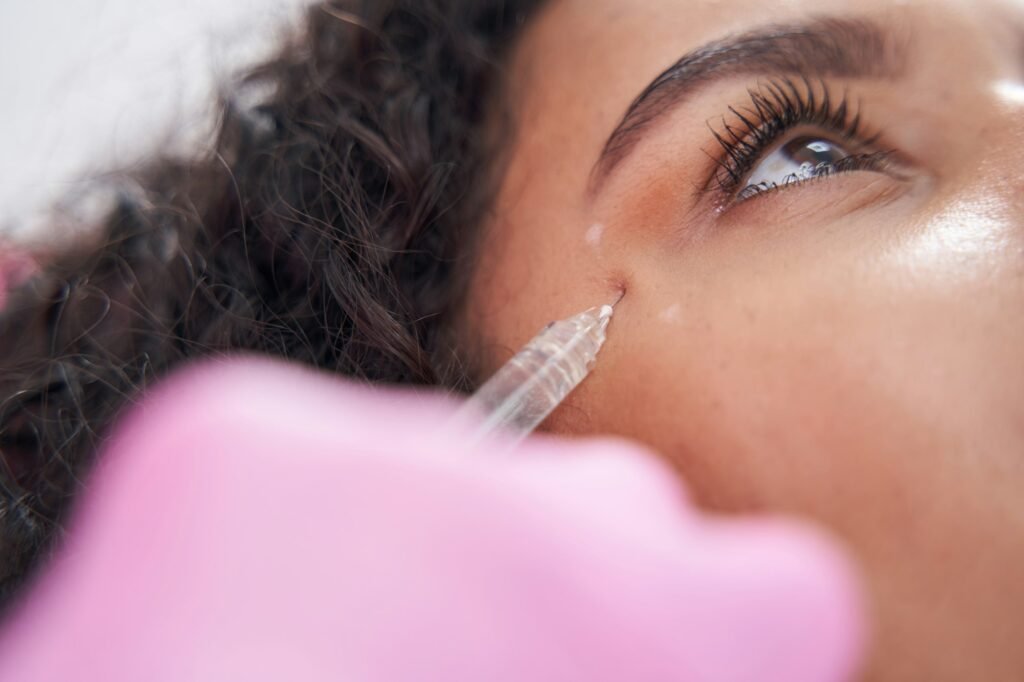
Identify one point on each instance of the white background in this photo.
(89, 85)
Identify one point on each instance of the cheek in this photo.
(544, 259)
(526, 279)
(817, 373)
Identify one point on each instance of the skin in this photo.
(848, 350)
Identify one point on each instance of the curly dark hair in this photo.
(332, 224)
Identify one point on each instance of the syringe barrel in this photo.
(528, 388)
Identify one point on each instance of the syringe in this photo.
(538, 379)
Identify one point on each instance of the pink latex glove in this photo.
(255, 521)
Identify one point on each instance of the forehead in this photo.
(598, 29)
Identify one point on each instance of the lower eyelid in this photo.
(841, 194)
(874, 162)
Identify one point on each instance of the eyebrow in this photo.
(837, 47)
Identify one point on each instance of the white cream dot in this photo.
(671, 314)
(595, 234)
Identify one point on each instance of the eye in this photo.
(800, 159)
(820, 135)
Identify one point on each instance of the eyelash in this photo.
(778, 106)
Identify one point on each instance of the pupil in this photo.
(810, 152)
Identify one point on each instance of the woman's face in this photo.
(817, 220)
